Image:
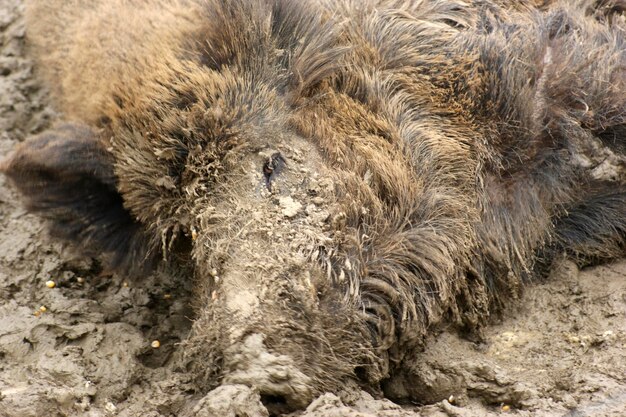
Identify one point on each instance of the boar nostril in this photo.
(276, 404)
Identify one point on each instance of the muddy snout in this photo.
(277, 377)
(267, 322)
(276, 334)
(274, 318)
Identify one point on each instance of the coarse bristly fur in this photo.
(442, 134)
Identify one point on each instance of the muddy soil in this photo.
(87, 346)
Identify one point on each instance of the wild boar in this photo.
(338, 177)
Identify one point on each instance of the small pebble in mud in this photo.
(43, 309)
(51, 284)
(155, 344)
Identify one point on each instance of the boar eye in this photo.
(273, 166)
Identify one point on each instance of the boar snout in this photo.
(277, 377)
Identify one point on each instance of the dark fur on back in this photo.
(448, 129)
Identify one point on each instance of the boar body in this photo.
(338, 177)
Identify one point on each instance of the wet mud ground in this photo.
(84, 347)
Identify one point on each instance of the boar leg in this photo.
(595, 229)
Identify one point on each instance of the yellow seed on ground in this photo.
(506, 408)
(43, 309)
(80, 280)
(124, 284)
(194, 234)
(37, 313)
(50, 284)
(214, 295)
(167, 296)
(155, 344)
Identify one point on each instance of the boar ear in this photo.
(66, 176)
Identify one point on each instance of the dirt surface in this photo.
(86, 346)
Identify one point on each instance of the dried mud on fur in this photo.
(78, 340)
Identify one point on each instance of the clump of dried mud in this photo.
(85, 348)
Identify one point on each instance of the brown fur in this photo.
(445, 130)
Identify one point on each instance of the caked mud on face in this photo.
(270, 316)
